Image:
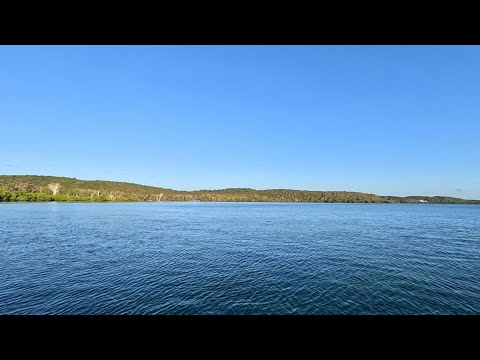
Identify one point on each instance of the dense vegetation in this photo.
(50, 188)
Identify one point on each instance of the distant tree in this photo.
(55, 187)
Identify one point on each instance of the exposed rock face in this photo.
(55, 188)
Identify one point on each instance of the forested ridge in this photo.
(34, 188)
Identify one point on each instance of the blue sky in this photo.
(390, 120)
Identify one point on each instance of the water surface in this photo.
(239, 258)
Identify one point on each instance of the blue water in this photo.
(239, 258)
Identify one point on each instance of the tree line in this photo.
(46, 188)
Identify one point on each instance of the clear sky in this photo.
(390, 120)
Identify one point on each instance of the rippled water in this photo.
(239, 258)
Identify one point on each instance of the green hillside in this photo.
(43, 188)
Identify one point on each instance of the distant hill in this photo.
(52, 188)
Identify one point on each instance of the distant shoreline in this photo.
(228, 202)
(33, 188)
